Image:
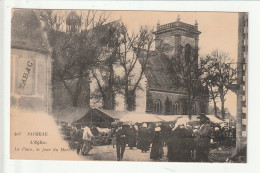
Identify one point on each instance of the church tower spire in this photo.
(73, 22)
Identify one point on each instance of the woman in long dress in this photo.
(157, 145)
(181, 143)
(144, 138)
(131, 137)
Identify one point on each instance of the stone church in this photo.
(163, 96)
(161, 93)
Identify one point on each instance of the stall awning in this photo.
(214, 119)
(136, 117)
(114, 114)
(193, 117)
(169, 118)
(100, 116)
(97, 115)
(69, 114)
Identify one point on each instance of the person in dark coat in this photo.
(181, 143)
(203, 137)
(169, 135)
(144, 140)
(165, 131)
(203, 118)
(157, 145)
(78, 138)
(113, 136)
(73, 137)
(131, 136)
(120, 142)
(94, 130)
(217, 136)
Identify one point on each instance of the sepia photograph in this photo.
(149, 86)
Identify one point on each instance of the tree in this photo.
(189, 74)
(222, 72)
(213, 93)
(103, 72)
(73, 52)
(210, 79)
(134, 49)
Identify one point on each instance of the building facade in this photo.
(163, 94)
(242, 85)
(30, 63)
(177, 34)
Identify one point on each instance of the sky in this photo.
(218, 31)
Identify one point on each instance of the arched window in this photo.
(176, 108)
(194, 111)
(158, 107)
(167, 106)
(187, 54)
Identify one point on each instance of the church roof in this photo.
(27, 32)
(160, 75)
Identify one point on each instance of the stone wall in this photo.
(62, 98)
(167, 39)
(153, 96)
(30, 80)
(241, 126)
(187, 40)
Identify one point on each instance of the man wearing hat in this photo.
(203, 118)
(203, 140)
(120, 141)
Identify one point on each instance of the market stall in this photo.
(100, 117)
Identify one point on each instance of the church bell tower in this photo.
(177, 34)
(73, 22)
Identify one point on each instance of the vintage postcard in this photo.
(128, 85)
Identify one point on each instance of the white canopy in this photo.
(141, 117)
(214, 119)
(138, 117)
(193, 117)
(169, 118)
(103, 130)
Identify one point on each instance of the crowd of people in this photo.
(183, 142)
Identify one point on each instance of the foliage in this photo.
(74, 52)
(189, 73)
(134, 51)
(220, 74)
(104, 71)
